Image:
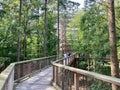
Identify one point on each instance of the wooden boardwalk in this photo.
(41, 81)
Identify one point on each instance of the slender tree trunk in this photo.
(38, 47)
(18, 41)
(38, 38)
(58, 28)
(25, 42)
(24, 47)
(112, 38)
(45, 27)
(18, 48)
(25, 36)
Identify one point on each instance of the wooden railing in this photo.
(2, 67)
(20, 70)
(69, 78)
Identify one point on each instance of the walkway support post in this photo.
(76, 81)
(55, 75)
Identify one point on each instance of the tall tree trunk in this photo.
(112, 38)
(25, 42)
(45, 27)
(24, 47)
(18, 48)
(38, 47)
(25, 36)
(38, 36)
(58, 28)
(18, 41)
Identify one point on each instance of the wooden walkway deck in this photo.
(41, 81)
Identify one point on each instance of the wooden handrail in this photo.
(19, 70)
(5, 77)
(36, 59)
(105, 78)
(74, 78)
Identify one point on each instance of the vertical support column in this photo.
(75, 63)
(73, 57)
(17, 71)
(65, 61)
(29, 67)
(70, 59)
(46, 62)
(86, 82)
(21, 70)
(38, 63)
(55, 75)
(49, 61)
(63, 78)
(62, 62)
(76, 81)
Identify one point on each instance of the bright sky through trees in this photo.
(81, 2)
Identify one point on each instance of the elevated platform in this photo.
(64, 76)
(41, 81)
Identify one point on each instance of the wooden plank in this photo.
(40, 81)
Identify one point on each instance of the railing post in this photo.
(38, 64)
(55, 75)
(29, 67)
(63, 78)
(75, 63)
(65, 61)
(76, 81)
(49, 61)
(62, 62)
(17, 71)
(21, 70)
(46, 62)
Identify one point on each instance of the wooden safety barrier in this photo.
(19, 70)
(66, 77)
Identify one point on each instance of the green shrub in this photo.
(99, 85)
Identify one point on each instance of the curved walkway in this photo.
(41, 81)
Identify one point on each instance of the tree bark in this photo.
(18, 41)
(58, 51)
(38, 47)
(45, 27)
(25, 35)
(112, 38)
(24, 47)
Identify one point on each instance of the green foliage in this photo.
(51, 36)
(105, 70)
(4, 61)
(30, 30)
(83, 65)
(91, 35)
(99, 85)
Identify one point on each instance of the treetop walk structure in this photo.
(64, 75)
